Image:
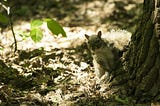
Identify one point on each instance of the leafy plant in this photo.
(37, 34)
(55, 27)
(8, 20)
(4, 19)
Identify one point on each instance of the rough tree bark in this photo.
(141, 66)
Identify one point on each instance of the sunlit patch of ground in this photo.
(64, 63)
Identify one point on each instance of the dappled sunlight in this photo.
(59, 70)
(68, 69)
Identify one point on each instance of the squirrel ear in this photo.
(86, 36)
(99, 34)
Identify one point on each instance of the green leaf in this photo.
(3, 19)
(124, 101)
(36, 23)
(1, 49)
(36, 35)
(55, 27)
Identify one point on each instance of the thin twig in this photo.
(6, 8)
(11, 25)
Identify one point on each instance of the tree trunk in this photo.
(141, 66)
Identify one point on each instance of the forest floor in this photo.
(58, 71)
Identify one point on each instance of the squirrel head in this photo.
(99, 34)
(95, 41)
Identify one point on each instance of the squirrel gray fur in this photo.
(104, 55)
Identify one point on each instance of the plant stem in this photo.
(11, 25)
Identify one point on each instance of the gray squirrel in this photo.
(104, 55)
